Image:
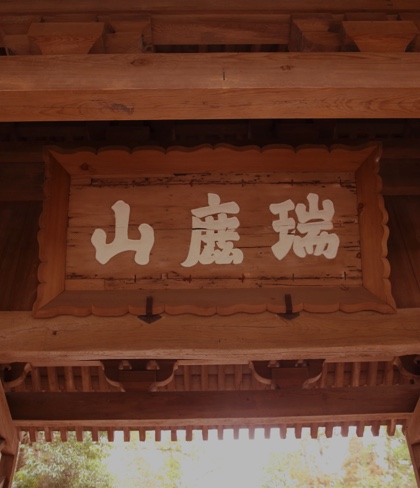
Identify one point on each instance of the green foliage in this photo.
(300, 469)
(363, 467)
(57, 464)
(156, 465)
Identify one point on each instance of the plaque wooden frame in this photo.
(57, 294)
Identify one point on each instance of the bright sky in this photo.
(229, 462)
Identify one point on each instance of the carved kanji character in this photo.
(121, 242)
(312, 226)
(212, 234)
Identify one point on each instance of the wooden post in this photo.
(9, 443)
(413, 441)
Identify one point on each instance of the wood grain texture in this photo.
(213, 30)
(240, 337)
(379, 36)
(166, 205)
(248, 85)
(65, 37)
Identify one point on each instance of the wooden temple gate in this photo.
(274, 113)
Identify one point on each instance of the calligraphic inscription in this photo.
(212, 230)
(211, 239)
(210, 234)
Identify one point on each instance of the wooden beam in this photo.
(365, 335)
(211, 86)
(208, 6)
(170, 409)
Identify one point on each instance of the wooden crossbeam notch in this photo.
(65, 37)
(378, 36)
(314, 35)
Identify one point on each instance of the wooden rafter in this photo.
(248, 85)
(335, 336)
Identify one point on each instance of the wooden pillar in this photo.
(413, 440)
(9, 443)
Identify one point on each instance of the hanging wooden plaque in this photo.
(213, 230)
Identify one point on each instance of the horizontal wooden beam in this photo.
(208, 6)
(171, 409)
(343, 336)
(210, 86)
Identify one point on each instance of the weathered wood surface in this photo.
(188, 6)
(171, 409)
(250, 85)
(240, 337)
(166, 206)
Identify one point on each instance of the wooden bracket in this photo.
(139, 374)
(149, 318)
(14, 374)
(289, 315)
(409, 366)
(287, 374)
